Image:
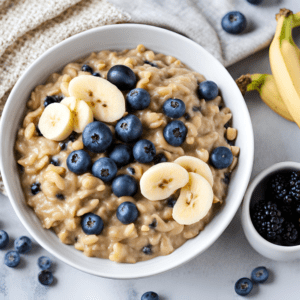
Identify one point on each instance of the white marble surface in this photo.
(209, 276)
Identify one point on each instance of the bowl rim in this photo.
(226, 218)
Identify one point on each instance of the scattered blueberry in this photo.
(73, 136)
(105, 169)
(60, 196)
(171, 202)
(87, 68)
(121, 154)
(174, 108)
(138, 99)
(150, 296)
(12, 259)
(51, 99)
(150, 63)
(144, 151)
(208, 90)
(234, 22)
(122, 77)
(255, 2)
(129, 129)
(79, 162)
(131, 170)
(35, 188)
(159, 158)
(124, 185)
(54, 161)
(175, 133)
(23, 244)
(96, 74)
(4, 239)
(243, 286)
(221, 157)
(45, 277)
(187, 116)
(260, 275)
(92, 224)
(153, 224)
(97, 137)
(127, 212)
(44, 262)
(147, 249)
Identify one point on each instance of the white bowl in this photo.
(254, 193)
(119, 37)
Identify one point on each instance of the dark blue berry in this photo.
(87, 68)
(96, 74)
(150, 63)
(45, 277)
(260, 275)
(138, 99)
(4, 239)
(129, 129)
(60, 196)
(92, 224)
(171, 202)
(124, 185)
(187, 116)
(208, 90)
(54, 161)
(121, 154)
(49, 100)
(105, 169)
(79, 162)
(122, 77)
(144, 151)
(44, 262)
(12, 259)
(159, 158)
(174, 108)
(255, 2)
(127, 213)
(73, 136)
(175, 133)
(221, 157)
(97, 137)
(63, 146)
(243, 286)
(23, 244)
(150, 296)
(147, 249)
(35, 188)
(131, 170)
(234, 22)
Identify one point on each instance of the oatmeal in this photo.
(123, 182)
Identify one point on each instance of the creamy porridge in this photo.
(61, 198)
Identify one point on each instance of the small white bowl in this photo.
(254, 193)
(120, 37)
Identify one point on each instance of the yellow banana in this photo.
(266, 86)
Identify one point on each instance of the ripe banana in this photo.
(105, 99)
(266, 86)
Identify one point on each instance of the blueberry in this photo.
(147, 249)
(260, 275)
(87, 68)
(97, 137)
(4, 239)
(49, 100)
(129, 129)
(63, 146)
(23, 244)
(221, 157)
(208, 90)
(12, 259)
(243, 286)
(144, 151)
(127, 213)
(60, 196)
(174, 108)
(96, 74)
(187, 116)
(73, 136)
(105, 169)
(159, 158)
(175, 133)
(79, 162)
(122, 77)
(138, 99)
(150, 63)
(35, 188)
(171, 202)
(121, 154)
(255, 2)
(124, 185)
(44, 262)
(234, 22)
(92, 224)
(150, 296)
(54, 161)
(45, 277)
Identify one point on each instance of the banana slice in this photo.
(196, 165)
(105, 99)
(56, 122)
(194, 201)
(162, 180)
(82, 113)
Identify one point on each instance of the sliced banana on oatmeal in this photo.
(105, 99)
(82, 113)
(196, 165)
(56, 122)
(194, 202)
(162, 180)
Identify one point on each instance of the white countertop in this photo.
(209, 276)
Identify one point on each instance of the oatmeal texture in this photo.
(65, 197)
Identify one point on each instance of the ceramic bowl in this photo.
(120, 37)
(255, 193)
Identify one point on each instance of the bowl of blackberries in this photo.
(271, 212)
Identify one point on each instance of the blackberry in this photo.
(278, 187)
(290, 234)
